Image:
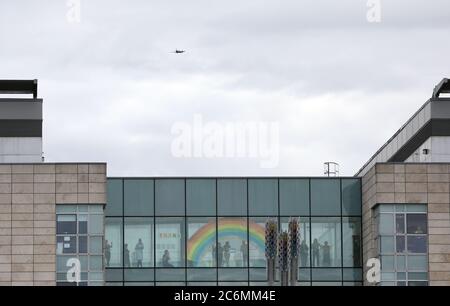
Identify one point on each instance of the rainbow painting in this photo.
(204, 239)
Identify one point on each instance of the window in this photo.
(304, 232)
(113, 242)
(201, 197)
(232, 233)
(170, 242)
(115, 197)
(294, 197)
(202, 249)
(138, 247)
(169, 195)
(351, 197)
(257, 257)
(232, 197)
(78, 236)
(351, 242)
(138, 195)
(325, 197)
(263, 197)
(325, 242)
(402, 244)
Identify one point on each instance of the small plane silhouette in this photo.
(179, 51)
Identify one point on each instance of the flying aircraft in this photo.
(179, 51)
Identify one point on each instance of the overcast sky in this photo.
(337, 85)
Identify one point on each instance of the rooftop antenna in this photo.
(331, 169)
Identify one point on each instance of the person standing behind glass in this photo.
(139, 253)
(244, 251)
(108, 247)
(126, 256)
(315, 253)
(304, 254)
(326, 254)
(219, 254)
(165, 260)
(226, 253)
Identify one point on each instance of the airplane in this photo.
(179, 51)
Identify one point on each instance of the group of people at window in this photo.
(221, 254)
(320, 255)
(138, 254)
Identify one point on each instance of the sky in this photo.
(328, 84)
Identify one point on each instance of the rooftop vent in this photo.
(443, 88)
(19, 87)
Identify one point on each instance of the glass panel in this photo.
(95, 245)
(351, 197)
(401, 263)
(386, 208)
(417, 263)
(232, 197)
(202, 250)
(66, 209)
(325, 197)
(387, 263)
(233, 239)
(326, 274)
(169, 194)
(233, 274)
(353, 275)
(66, 245)
(202, 274)
(256, 249)
(400, 244)
(113, 242)
(386, 226)
(423, 283)
(263, 197)
(114, 207)
(417, 244)
(139, 275)
(112, 275)
(294, 197)
(400, 223)
(201, 197)
(387, 245)
(66, 224)
(420, 208)
(351, 241)
(416, 223)
(95, 263)
(82, 244)
(82, 224)
(170, 242)
(326, 242)
(138, 247)
(138, 197)
(417, 275)
(96, 224)
(170, 274)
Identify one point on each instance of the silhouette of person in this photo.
(315, 253)
(244, 252)
(108, 247)
(226, 254)
(326, 254)
(126, 256)
(139, 252)
(219, 254)
(166, 259)
(304, 254)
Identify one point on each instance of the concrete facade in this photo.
(403, 183)
(28, 197)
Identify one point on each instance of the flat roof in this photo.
(19, 87)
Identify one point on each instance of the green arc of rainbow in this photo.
(203, 240)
